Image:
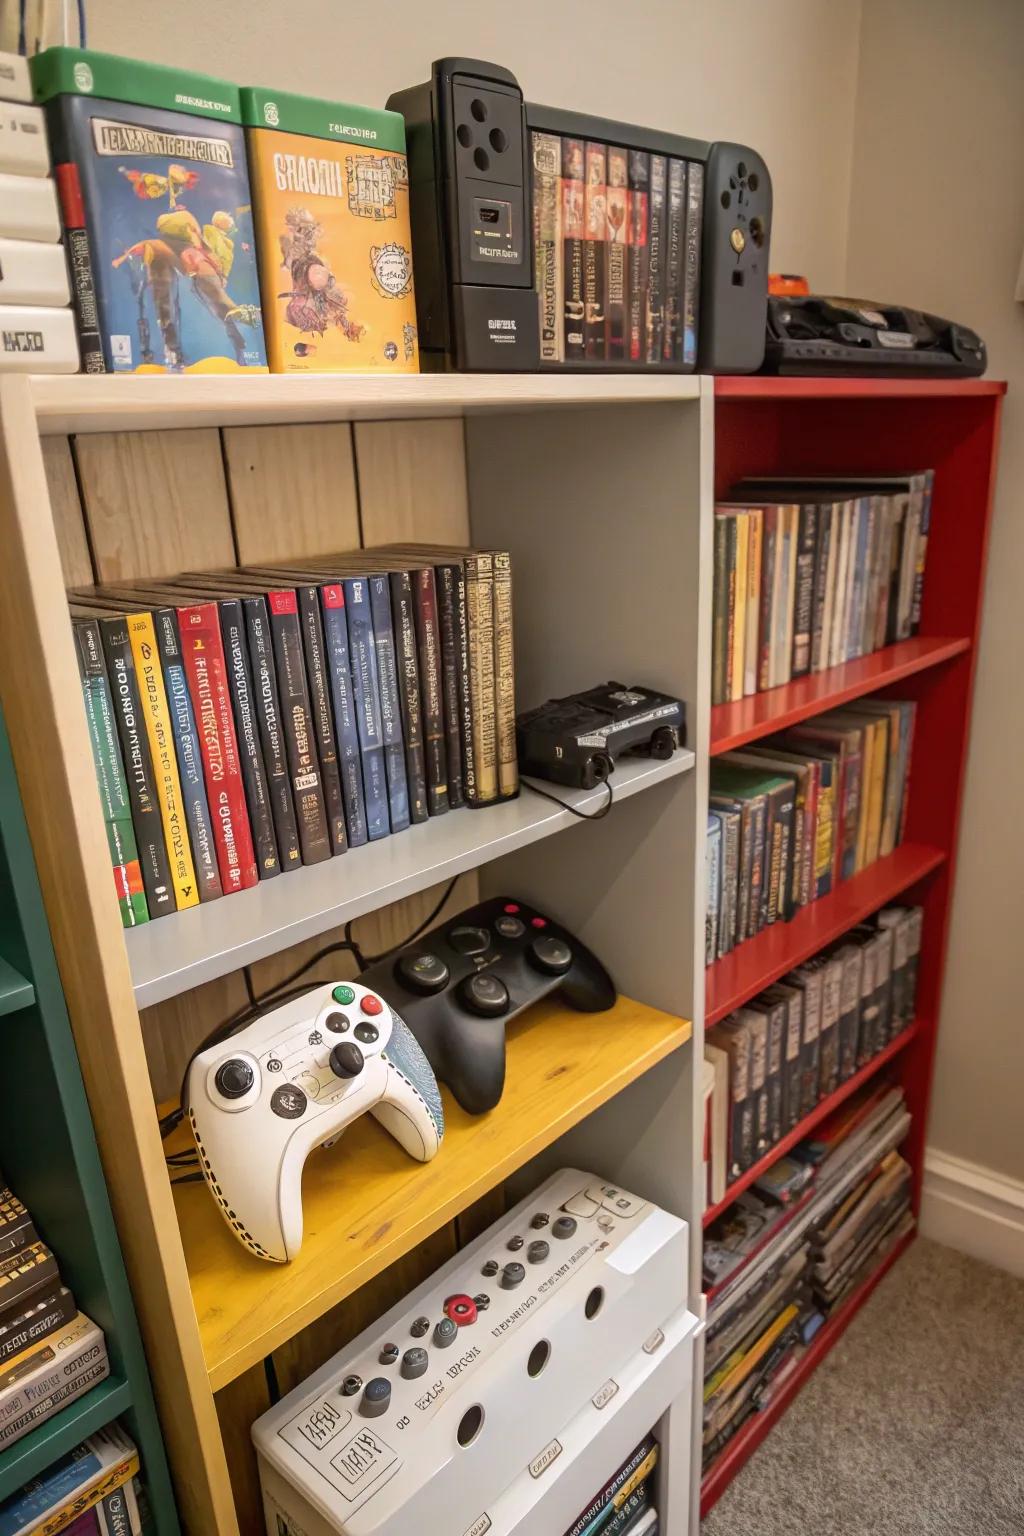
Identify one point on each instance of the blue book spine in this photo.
(55, 1486)
(189, 754)
(332, 602)
(390, 704)
(366, 697)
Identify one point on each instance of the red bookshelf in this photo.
(769, 426)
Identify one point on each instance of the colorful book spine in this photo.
(691, 275)
(282, 610)
(267, 705)
(803, 597)
(573, 234)
(254, 774)
(462, 671)
(654, 326)
(390, 708)
(675, 244)
(595, 217)
(408, 668)
(450, 586)
(755, 519)
(339, 668)
(189, 753)
(504, 678)
(921, 552)
(713, 885)
(323, 721)
(547, 242)
(480, 620)
(425, 582)
(617, 255)
(366, 695)
(639, 251)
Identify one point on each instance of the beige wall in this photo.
(937, 220)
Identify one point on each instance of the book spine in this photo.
(787, 604)
(390, 707)
(308, 598)
(56, 1309)
(573, 231)
(720, 610)
(639, 250)
(741, 1133)
(595, 218)
(760, 853)
(432, 687)
(786, 815)
(76, 245)
(915, 924)
(792, 1065)
(480, 617)
(339, 672)
(691, 273)
(448, 580)
(254, 775)
(119, 1512)
(713, 858)
(189, 754)
(849, 1011)
(267, 706)
(654, 328)
(505, 678)
(771, 885)
(617, 255)
(831, 1009)
(739, 606)
(899, 527)
(297, 719)
(818, 1035)
(867, 1021)
(366, 694)
(547, 242)
(766, 613)
(923, 529)
(408, 667)
(777, 1016)
(675, 243)
(894, 922)
(34, 1411)
(804, 597)
(822, 545)
(153, 858)
(747, 896)
(731, 558)
(464, 683)
(755, 521)
(206, 670)
(110, 777)
(758, 1026)
(728, 886)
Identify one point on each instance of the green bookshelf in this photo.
(48, 1152)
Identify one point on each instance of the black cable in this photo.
(573, 810)
(189, 1178)
(412, 937)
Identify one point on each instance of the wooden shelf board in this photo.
(746, 1440)
(115, 402)
(185, 949)
(767, 387)
(15, 991)
(756, 963)
(819, 1113)
(745, 720)
(366, 1203)
(55, 1436)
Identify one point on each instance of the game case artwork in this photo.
(158, 215)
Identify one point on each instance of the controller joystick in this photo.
(261, 1101)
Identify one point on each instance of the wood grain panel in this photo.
(412, 481)
(68, 519)
(238, 1405)
(155, 502)
(293, 491)
(172, 1030)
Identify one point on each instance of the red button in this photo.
(538, 922)
(461, 1309)
(511, 907)
(372, 1005)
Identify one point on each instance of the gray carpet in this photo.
(912, 1426)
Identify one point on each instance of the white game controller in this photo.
(262, 1100)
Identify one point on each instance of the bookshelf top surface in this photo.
(125, 402)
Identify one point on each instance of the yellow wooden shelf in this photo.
(366, 1203)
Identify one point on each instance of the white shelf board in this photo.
(120, 402)
(172, 954)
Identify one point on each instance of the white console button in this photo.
(615, 1200)
(583, 1205)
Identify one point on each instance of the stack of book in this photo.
(625, 1504)
(50, 1353)
(776, 1272)
(792, 816)
(772, 1061)
(811, 572)
(94, 1490)
(246, 722)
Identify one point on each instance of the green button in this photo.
(344, 995)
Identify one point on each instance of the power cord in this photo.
(605, 767)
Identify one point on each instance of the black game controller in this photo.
(457, 987)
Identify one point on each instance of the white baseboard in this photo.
(973, 1209)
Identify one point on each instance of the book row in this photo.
(247, 722)
(792, 816)
(770, 1063)
(617, 252)
(625, 1505)
(810, 573)
(777, 1272)
(95, 1490)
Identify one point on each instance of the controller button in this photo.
(461, 1309)
(538, 922)
(420, 1327)
(351, 1385)
(444, 1332)
(512, 1275)
(288, 1101)
(551, 954)
(344, 994)
(469, 941)
(490, 1269)
(414, 1363)
(367, 1033)
(540, 1220)
(510, 927)
(346, 1059)
(482, 1300)
(337, 1023)
(484, 994)
(423, 973)
(388, 1354)
(538, 1252)
(372, 1005)
(511, 907)
(563, 1226)
(376, 1397)
(514, 1244)
(234, 1079)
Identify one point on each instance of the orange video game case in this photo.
(330, 188)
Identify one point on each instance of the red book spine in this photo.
(205, 667)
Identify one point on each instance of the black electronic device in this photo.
(576, 740)
(546, 238)
(457, 988)
(859, 338)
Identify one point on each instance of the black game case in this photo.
(639, 251)
(403, 617)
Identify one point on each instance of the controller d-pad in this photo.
(234, 1078)
(337, 1023)
(288, 1101)
(551, 954)
(510, 927)
(423, 973)
(469, 941)
(367, 1033)
(484, 994)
